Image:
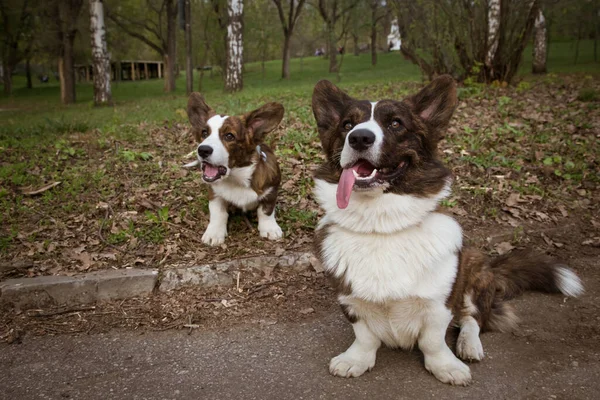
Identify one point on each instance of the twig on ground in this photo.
(248, 223)
(262, 286)
(102, 237)
(44, 215)
(42, 313)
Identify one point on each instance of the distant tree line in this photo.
(477, 39)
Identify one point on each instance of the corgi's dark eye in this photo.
(204, 133)
(230, 137)
(348, 126)
(395, 124)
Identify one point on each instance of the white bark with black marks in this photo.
(540, 44)
(493, 31)
(100, 56)
(235, 46)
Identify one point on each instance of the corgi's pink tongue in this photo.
(211, 171)
(344, 189)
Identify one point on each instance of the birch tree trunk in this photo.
(540, 44)
(493, 35)
(100, 56)
(235, 46)
(189, 65)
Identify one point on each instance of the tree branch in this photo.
(160, 50)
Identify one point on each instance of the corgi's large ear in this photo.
(328, 104)
(263, 120)
(435, 104)
(198, 113)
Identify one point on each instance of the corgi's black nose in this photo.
(204, 151)
(361, 139)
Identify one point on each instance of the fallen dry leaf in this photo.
(39, 190)
(513, 199)
(504, 247)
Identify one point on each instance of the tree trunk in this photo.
(100, 56)
(577, 44)
(332, 47)
(540, 44)
(373, 40)
(356, 45)
(235, 46)
(285, 68)
(171, 50)
(28, 73)
(493, 34)
(66, 70)
(189, 65)
(7, 78)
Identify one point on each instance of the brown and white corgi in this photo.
(239, 168)
(399, 266)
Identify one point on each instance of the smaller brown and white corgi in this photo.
(239, 168)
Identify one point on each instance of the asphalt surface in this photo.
(551, 356)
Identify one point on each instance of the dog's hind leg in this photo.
(468, 345)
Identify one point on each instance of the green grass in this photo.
(38, 110)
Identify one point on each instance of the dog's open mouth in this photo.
(364, 175)
(211, 173)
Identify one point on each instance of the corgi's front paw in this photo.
(270, 230)
(214, 235)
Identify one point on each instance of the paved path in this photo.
(551, 356)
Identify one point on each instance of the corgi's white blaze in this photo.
(220, 155)
(374, 211)
(348, 156)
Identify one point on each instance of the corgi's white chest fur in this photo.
(419, 261)
(235, 189)
(403, 250)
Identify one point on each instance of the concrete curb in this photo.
(44, 291)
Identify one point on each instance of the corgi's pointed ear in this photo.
(328, 103)
(435, 103)
(263, 120)
(198, 113)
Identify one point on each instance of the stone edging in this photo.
(44, 291)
